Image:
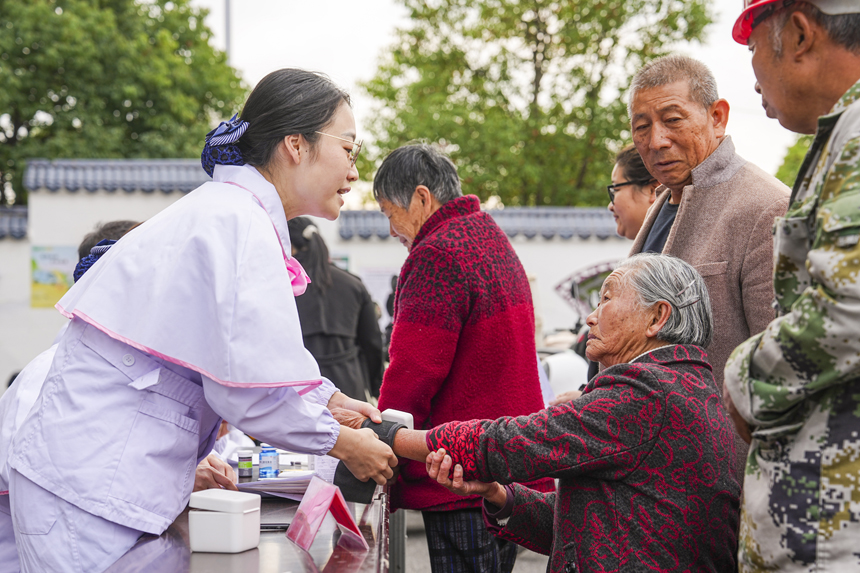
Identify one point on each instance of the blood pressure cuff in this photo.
(350, 486)
(385, 430)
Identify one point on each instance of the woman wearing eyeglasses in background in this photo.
(191, 318)
(632, 192)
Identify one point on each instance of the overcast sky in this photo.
(344, 38)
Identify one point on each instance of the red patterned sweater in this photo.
(463, 343)
(644, 461)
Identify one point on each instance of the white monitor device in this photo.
(404, 418)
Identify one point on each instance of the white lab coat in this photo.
(16, 403)
(187, 319)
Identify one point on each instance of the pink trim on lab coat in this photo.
(310, 384)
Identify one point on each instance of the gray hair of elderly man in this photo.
(412, 165)
(666, 278)
(671, 69)
(842, 28)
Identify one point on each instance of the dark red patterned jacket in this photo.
(463, 344)
(644, 461)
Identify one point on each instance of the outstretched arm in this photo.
(568, 440)
(565, 440)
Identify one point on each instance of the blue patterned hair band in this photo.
(221, 148)
(95, 254)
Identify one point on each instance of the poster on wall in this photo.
(52, 274)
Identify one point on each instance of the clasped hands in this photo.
(360, 449)
(439, 467)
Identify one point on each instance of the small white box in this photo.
(223, 521)
(405, 418)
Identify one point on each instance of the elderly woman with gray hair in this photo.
(643, 458)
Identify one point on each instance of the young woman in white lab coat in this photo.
(191, 318)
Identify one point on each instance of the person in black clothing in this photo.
(389, 328)
(338, 318)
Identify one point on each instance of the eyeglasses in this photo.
(611, 189)
(356, 146)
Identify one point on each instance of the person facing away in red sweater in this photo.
(462, 346)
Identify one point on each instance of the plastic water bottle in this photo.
(269, 462)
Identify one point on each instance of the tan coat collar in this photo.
(717, 168)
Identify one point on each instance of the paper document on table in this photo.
(288, 482)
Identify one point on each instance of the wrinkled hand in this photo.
(741, 425)
(565, 397)
(365, 455)
(438, 466)
(348, 418)
(214, 473)
(341, 400)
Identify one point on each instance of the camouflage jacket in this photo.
(798, 382)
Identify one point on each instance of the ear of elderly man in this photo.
(714, 209)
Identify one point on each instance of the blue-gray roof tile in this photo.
(147, 175)
(13, 222)
(548, 222)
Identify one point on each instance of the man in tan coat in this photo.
(714, 209)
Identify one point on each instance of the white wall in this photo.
(63, 218)
(553, 261)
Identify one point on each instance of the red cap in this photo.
(744, 25)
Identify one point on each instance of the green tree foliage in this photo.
(793, 159)
(107, 79)
(527, 96)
